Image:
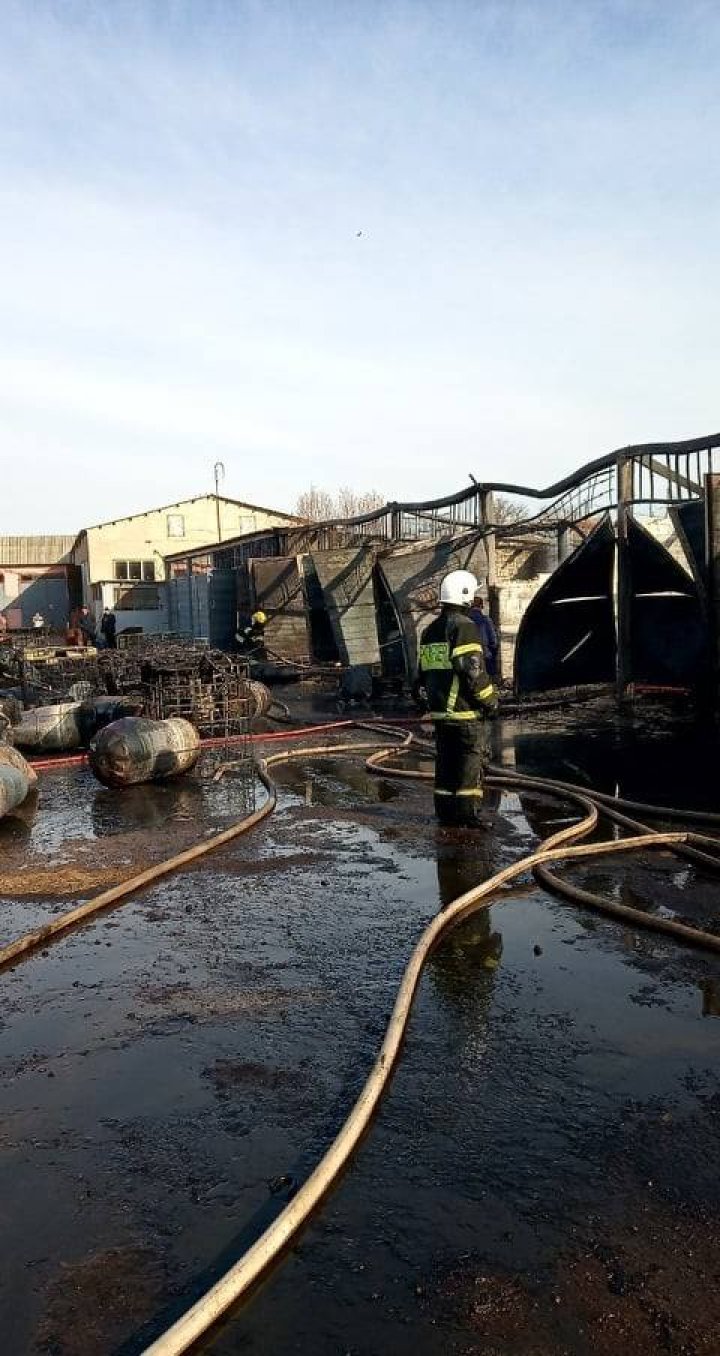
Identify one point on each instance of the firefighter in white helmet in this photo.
(460, 696)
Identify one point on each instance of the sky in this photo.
(383, 245)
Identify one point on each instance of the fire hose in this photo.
(564, 845)
(240, 1279)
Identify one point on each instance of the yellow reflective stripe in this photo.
(454, 715)
(485, 694)
(473, 648)
(471, 791)
(454, 693)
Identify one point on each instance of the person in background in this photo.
(86, 624)
(108, 626)
(488, 634)
(38, 622)
(251, 637)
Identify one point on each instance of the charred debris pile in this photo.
(59, 701)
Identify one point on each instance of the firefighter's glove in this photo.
(491, 707)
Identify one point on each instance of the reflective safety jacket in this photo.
(452, 668)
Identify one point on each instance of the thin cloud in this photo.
(181, 189)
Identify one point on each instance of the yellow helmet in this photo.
(259, 618)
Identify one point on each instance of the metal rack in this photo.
(208, 688)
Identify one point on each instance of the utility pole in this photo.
(219, 472)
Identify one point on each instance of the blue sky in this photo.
(181, 191)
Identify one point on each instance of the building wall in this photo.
(148, 538)
(508, 604)
(662, 528)
(150, 620)
(27, 589)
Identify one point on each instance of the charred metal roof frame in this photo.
(590, 490)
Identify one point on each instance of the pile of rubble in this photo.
(61, 702)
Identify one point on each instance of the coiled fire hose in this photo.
(561, 846)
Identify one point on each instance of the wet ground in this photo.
(542, 1177)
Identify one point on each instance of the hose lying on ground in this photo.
(248, 1270)
(638, 917)
(64, 923)
(40, 937)
(561, 846)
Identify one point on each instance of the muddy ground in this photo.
(543, 1175)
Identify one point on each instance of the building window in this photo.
(137, 598)
(135, 570)
(176, 524)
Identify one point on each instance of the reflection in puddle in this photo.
(146, 807)
(710, 990)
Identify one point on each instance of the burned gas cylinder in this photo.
(70, 725)
(97, 712)
(10, 710)
(13, 758)
(261, 696)
(17, 778)
(136, 750)
(50, 727)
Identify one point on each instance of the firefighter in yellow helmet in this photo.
(251, 638)
(460, 696)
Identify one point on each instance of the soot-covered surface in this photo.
(543, 1176)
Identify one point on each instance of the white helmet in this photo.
(459, 587)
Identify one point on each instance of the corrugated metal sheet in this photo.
(279, 592)
(222, 609)
(322, 639)
(346, 578)
(35, 550)
(187, 601)
(413, 575)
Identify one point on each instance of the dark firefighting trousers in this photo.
(461, 753)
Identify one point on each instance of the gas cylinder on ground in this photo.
(17, 778)
(261, 696)
(136, 749)
(50, 727)
(70, 725)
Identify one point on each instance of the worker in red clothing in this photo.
(460, 696)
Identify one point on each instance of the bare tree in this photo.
(504, 510)
(350, 504)
(317, 505)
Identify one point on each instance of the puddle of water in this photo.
(160, 1070)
